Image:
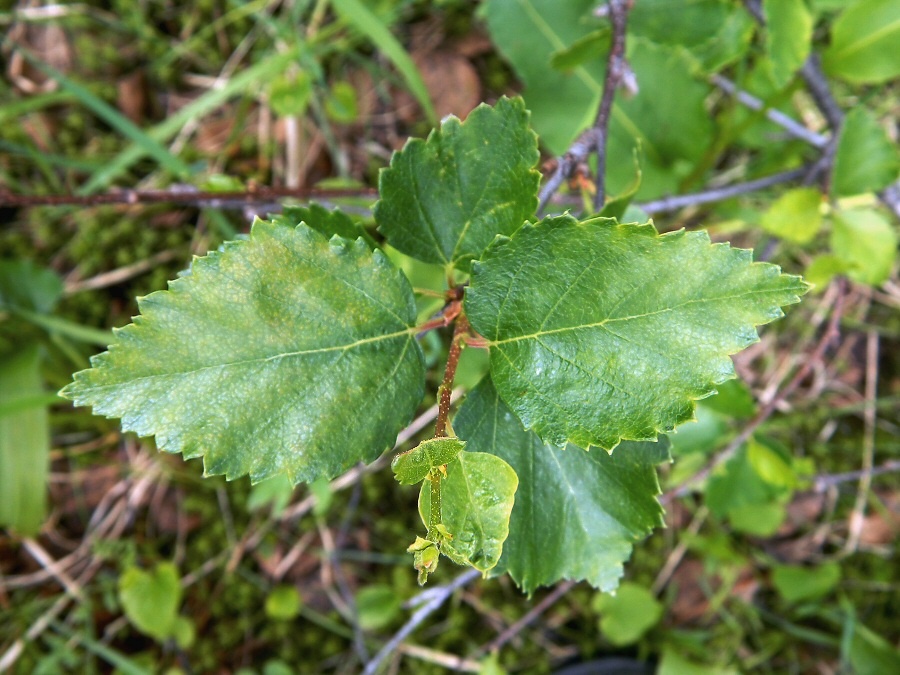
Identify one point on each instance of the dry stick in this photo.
(831, 334)
(826, 481)
(790, 125)
(718, 194)
(594, 139)
(616, 69)
(183, 194)
(438, 596)
(857, 516)
(526, 620)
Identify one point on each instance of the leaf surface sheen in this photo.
(257, 358)
(577, 514)
(600, 332)
(444, 199)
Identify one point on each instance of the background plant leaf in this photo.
(577, 514)
(24, 442)
(789, 27)
(254, 359)
(444, 199)
(151, 599)
(601, 332)
(866, 243)
(864, 42)
(866, 159)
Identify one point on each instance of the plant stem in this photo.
(435, 517)
(444, 391)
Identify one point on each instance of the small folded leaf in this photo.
(443, 200)
(414, 466)
(477, 498)
(600, 332)
(577, 514)
(257, 358)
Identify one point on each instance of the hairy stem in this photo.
(459, 333)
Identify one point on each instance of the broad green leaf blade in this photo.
(864, 42)
(577, 514)
(329, 223)
(789, 27)
(284, 353)
(478, 496)
(715, 32)
(443, 200)
(414, 466)
(600, 332)
(866, 243)
(629, 613)
(795, 215)
(24, 443)
(151, 599)
(866, 159)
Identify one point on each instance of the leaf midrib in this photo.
(274, 357)
(608, 320)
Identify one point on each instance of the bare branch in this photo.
(718, 194)
(437, 597)
(616, 69)
(793, 127)
(183, 194)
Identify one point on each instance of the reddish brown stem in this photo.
(459, 333)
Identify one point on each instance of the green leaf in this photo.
(866, 159)
(795, 215)
(592, 46)
(329, 223)
(865, 241)
(577, 514)
(443, 200)
(283, 603)
(822, 269)
(674, 662)
(714, 31)
(151, 599)
(592, 339)
(377, 606)
(289, 94)
(341, 104)
(414, 466)
(795, 583)
(737, 492)
(789, 27)
(871, 654)
(617, 206)
(864, 42)
(24, 285)
(255, 360)
(629, 613)
(771, 462)
(477, 499)
(24, 443)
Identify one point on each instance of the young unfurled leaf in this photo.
(477, 499)
(600, 332)
(443, 200)
(577, 514)
(257, 360)
(414, 466)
